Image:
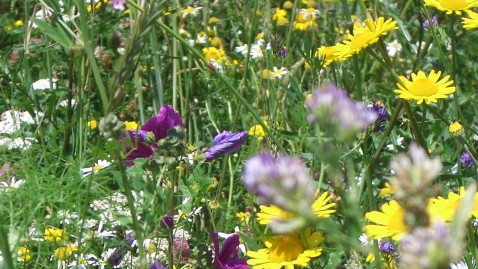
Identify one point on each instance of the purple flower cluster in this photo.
(282, 181)
(465, 160)
(334, 111)
(426, 23)
(153, 130)
(225, 143)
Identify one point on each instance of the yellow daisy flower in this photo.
(452, 6)
(363, 36)
(305, 19)
(280, 17)
(212, 53)
(389, 222)
(472, 22)
(423, 88)
(444, 208)
(327, 54)
(286, 251)
(321, 208)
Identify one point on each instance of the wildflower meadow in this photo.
(239, 134)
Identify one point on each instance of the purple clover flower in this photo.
(282, 181)
(331, 108)
(426, 23)
(180, 250)
(465, 160)
(225, 143)
(158, 127)
(227, 257)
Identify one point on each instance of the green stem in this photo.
(5, 248)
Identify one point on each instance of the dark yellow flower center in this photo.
(423, 87)
(454, 4)
(285, 249)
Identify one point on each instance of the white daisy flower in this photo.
(193, 11)
(12, 185)
(100, 164)
(241, 49)
(393, 47)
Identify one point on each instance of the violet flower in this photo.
(225, 143)
(379, 108)
(158, 126)
(227, 257)
(465, 160)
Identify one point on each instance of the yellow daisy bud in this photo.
(455, 129)
(288, 5)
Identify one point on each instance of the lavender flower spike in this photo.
(227, 258)
(225, 143)
(335, 112)
(282, 181)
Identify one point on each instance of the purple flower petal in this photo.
(227, 258)
(140, 149)
(166, 119)
(225, 143)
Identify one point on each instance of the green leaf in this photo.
(56, 34)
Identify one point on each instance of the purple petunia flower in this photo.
(225, 143)
(158, 127)
(227, 257)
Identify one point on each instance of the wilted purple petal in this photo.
(159, 125)
(225, 143)
(227, 258)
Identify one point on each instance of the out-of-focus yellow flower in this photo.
(212, 53)
(215, 42)
(280, 17)
(305, 19)
(23, 254)
(53, 234)
(472, 22)
(243, 216)
(386, 191)
(64, 253)
(92, 124)
(130, 125)
(288, 5)
(456, 129)
(258, 131)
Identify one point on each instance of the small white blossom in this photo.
(241, 49)
(393, 47)
(100, 164)
(12, 185)
(44, 84)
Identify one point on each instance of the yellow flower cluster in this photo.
(389, 222)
